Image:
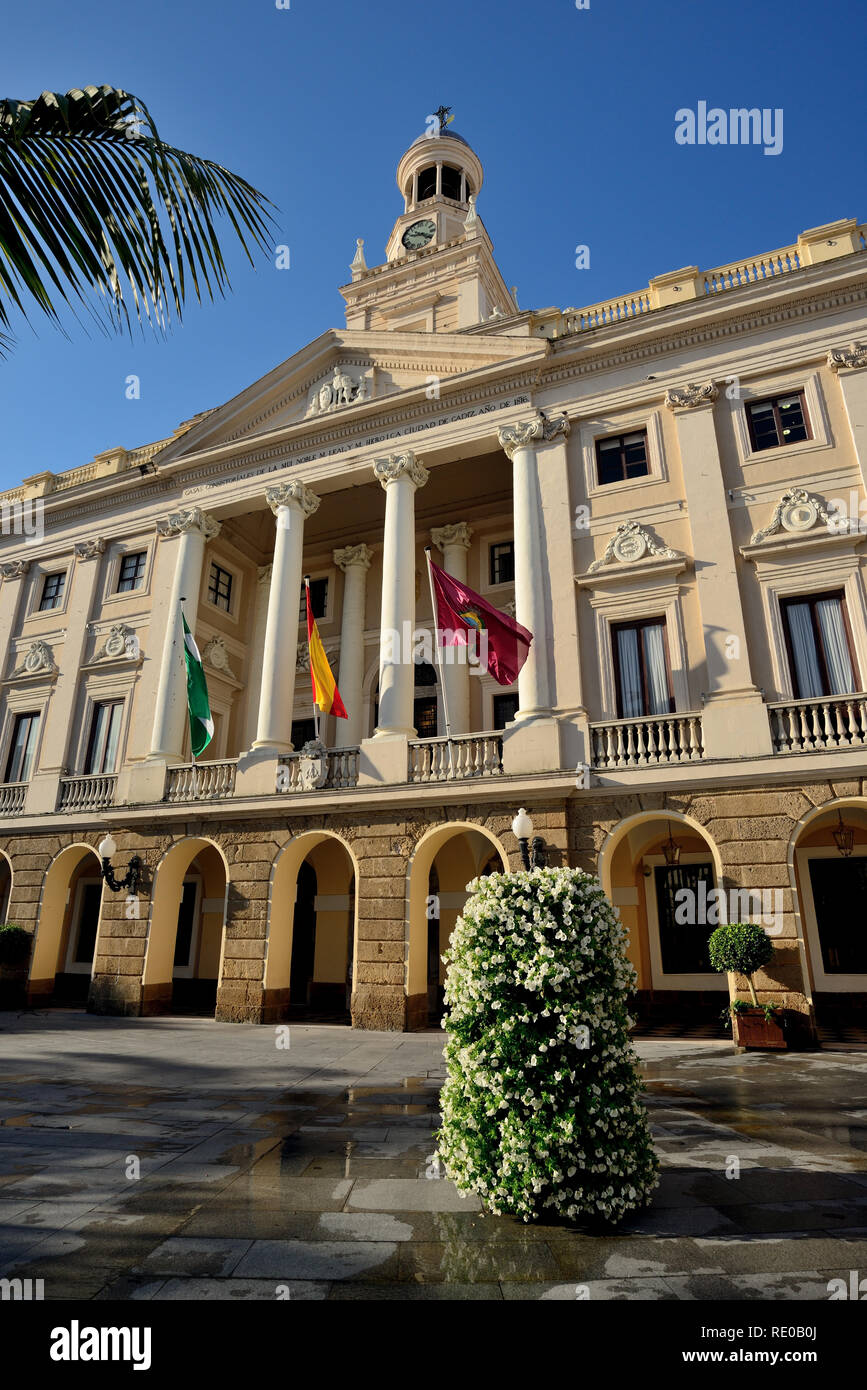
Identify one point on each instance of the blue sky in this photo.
(571, 111)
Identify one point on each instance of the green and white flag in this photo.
(201, 723)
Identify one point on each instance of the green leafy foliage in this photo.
(542, 1108)
(15, 944)
(92, 199)
(740, 946)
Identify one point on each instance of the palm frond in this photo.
(91, 199)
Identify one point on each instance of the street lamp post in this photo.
(522, 829)
(107, 850)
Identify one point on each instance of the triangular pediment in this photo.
(342, 374)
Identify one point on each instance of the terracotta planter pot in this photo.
(753, 1030)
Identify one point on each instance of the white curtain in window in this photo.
(655, 668)
(630, 673)
(807, 670)
(841, 677)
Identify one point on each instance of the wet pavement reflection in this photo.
(175, 1158)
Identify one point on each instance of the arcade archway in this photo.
(444, 862)
(185, 936)
(311, 930)
(61, 964)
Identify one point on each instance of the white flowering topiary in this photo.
(542, 1108)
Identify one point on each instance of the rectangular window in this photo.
(819, 646)
(220, 588)
(621, 456)
(424, 714)
(185, 934)
(318, 600)
(782, 420)
(303, 731)
(88, 923)
(52, 591)
(25, 732)
(505, 709)
(641, 669)
(502, 560)
(104, 737)
(131, 572)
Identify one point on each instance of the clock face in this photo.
(419, 234)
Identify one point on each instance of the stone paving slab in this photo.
(306, 1174)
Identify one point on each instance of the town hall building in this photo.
(666, 488)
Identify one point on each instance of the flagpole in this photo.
(195, 779)
(439, 662)
(316, 713)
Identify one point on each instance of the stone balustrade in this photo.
(660, 739)
(86, 792)
(12, 795)
(809, 726)
(453, 760)
(201, 781)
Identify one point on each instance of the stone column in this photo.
(256, 654)
(850, 364)
(561, 600)
(11, 572)
(291, 504)
(60, 725)
(534, 697)
(190, 529)
(400, 476)
(454, 542)
(384, 757)
(354, 560)
(537, 749)
(734, 719)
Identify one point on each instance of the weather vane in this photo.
(443, 115)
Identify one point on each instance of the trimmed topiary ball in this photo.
(542, 1108)
(740, 946)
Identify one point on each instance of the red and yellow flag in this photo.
(325, 692)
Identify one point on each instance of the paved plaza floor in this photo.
(179, 1158)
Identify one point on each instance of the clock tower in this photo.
(439, 274)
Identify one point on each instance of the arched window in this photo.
(451, 183)
(427, 182)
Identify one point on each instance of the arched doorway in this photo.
(830, 882)
(444, 862)
(185, 936)
(5, 887)
(311, 931)
(661, 871)
(61, 964)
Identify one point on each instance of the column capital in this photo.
(692, 395)
(189, 519)
(88, 550)
(457, 534)
(525, 432)
(14, 569)
(395, 466)
(849, 358)
(263, 574)
(353, 555)
(286, 493)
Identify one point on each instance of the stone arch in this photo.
(172, 905)
(58, 902)
(634, 876)
(336, 922)
(833, 993)
(460, 849)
